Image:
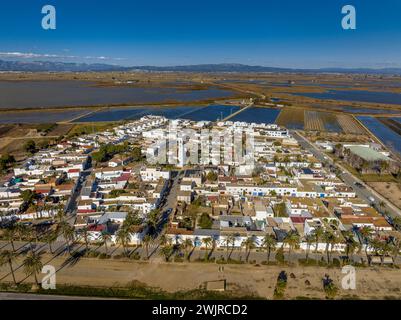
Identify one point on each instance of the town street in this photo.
(365, 192)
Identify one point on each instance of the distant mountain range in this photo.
(50, 66)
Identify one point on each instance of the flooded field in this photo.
(257, 115)
(382, 132)
(46, 94)
(322, 121)
(47, 116)
(368, 110)
(196, 113)
(361, 96)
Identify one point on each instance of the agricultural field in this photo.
(350, 125)
(313, 121)
(291, 118)
(392, 124)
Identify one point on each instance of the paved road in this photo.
(365, 192)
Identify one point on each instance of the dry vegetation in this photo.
(291, 118)
(313, 121)
(256, 280)
(350, 125)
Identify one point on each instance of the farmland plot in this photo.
(350, 125)
(313, 121)
(291, 118)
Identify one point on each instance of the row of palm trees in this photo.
(32, 264)
(292, 241)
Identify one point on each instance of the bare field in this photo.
(389, 190)
(291, 118)
(350, 125)
(374, 283)
(313, 122)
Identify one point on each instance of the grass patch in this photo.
(134, 290)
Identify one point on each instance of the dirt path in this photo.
(260, 280)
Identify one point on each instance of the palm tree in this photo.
(68, 232)
(188, 244)
(351, 246)
(153, 220)
(51, 238)
(85, 236)
(329, 238)
(333, 241)
(9, 257)
(10, 235)
(26, 233)
(317, 233)
(397, 223)
(33, 265)
(166, 251)
(104, 237)
(123, 237)
(20, 229)
(60, 214)
(249, 244)
(396, 247)
(309, 239)
(163, 240)
(292, 240)
(365, 233)
(230, 239)
(147, 239)
(207, 241)
(382, 205)
(269, 243)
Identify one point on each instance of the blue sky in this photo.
(284, 33)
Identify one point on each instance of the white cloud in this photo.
(30, 55)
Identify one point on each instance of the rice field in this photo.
(291, 118)
(392, 124)
(322, 121)
(313, 121)
(350, 125)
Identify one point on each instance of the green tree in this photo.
(205, 222)
(147, 240)
(68, 233)
(10, 235)
(33, 265)
(6, 161)
(104, 238)
(309, 239)
(229, 242)
(317, 233)
(166, 251)
(292, 240)
(249, 244)
(50, 238)
(85, 236)
(212, 176)
(188, 245)
(8, 257)
(137, 154)
(30, 146)
(123, 237)
(207, 242)
(269, 243)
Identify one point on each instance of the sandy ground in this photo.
(389, 190)
(376, 283)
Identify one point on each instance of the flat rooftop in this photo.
(368, 154)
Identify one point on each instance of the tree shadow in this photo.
(73, 259)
